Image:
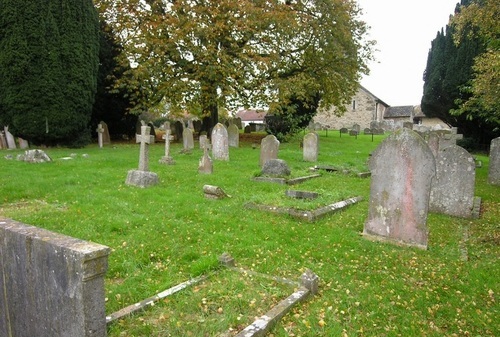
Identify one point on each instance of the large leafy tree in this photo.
(199, 55)
(48, 66)
(480, 20)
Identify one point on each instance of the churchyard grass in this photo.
(165, 234)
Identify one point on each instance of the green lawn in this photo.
(166, 234)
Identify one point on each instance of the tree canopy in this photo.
(198, 55)
(48, 66)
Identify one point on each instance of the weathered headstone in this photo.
(3, 140)
(494, 166)
(233, 134)
(106, 139)
(275, 168)
(52, 285)
(452, 190)
(269, 147)
(23, 143)
(11, 142)
(402, 169)
(142, 177)
(203, 141)
(237, 122)
(167, 159)
(205, 165)
(187, 140)
(344, 130)
(247, 129)
(220, 145)
(357, 128)
(34, 156)
(310, 149)
(100, 131)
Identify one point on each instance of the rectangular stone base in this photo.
(141, 178)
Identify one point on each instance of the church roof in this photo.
(399, 111)
(251, 115)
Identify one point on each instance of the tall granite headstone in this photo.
(402, 168)
(452, 190)
(494, 166)
(233, 135)
(220, 144)
(269, 148)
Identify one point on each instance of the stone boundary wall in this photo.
(51, 285)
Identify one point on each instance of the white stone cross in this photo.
(167, 138)
(145, 139)
(100, 131)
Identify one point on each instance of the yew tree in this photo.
(199, 55)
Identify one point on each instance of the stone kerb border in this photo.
(308, 285)
(286, 181)
(310, 216)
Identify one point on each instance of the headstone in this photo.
(237, 122)
(233, 135)
(187, 140)
(152, 132)
(100, 131)
(357, 128)
(205, 165)
(220, 145)
(310, 149)
(105, 134)
(275, 168)
(452, 190)
(3, 140)
(494, 166)
(247, 129)
(34, 156)
(367, 131)
(52, 285)
(344, 130)
(178, 127)
(142, 177)
(203, 141)
(167, 159)
(23, 143)
(402, 169)
(269, 147)
(11, 142)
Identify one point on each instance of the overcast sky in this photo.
(404, 30)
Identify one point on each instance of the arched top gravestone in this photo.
(452, 190)
(269, 147)
(220, 145)
(402, 168)
(494, 168)
(310, 148)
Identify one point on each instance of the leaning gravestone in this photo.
(402, 168)
(106, 139)
(233, 134)
(310, 149)
(452, 190)
(220, 145)
(142, 177)
(269, 147)
(3, 141)
(494, 169)
(51, 285)
(11, 142)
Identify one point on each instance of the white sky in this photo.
(404, 30)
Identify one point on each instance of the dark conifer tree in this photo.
(48, 66)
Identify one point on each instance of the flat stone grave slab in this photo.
(307, 215)
(301, 194)
(287, 181)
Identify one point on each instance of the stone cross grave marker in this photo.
(494, 168)
(452, 190)
(233, 135)
(142, 177)
(310, 149)
(167, 159)
(100, 131)
(269, 147)
(220, 145)
(402, 168)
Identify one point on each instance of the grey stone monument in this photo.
(11, 142)
(310, 148)
(187, 140)
(220, 145)
(52, 285)
(167, 159)
(494, 167)
(205, 165)
(23, 143)
(203, 141)
(452, 190)
(402, 168)
(106, 139)
(100, 131)
(233, 135)
(142, 177)
(269, 148)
